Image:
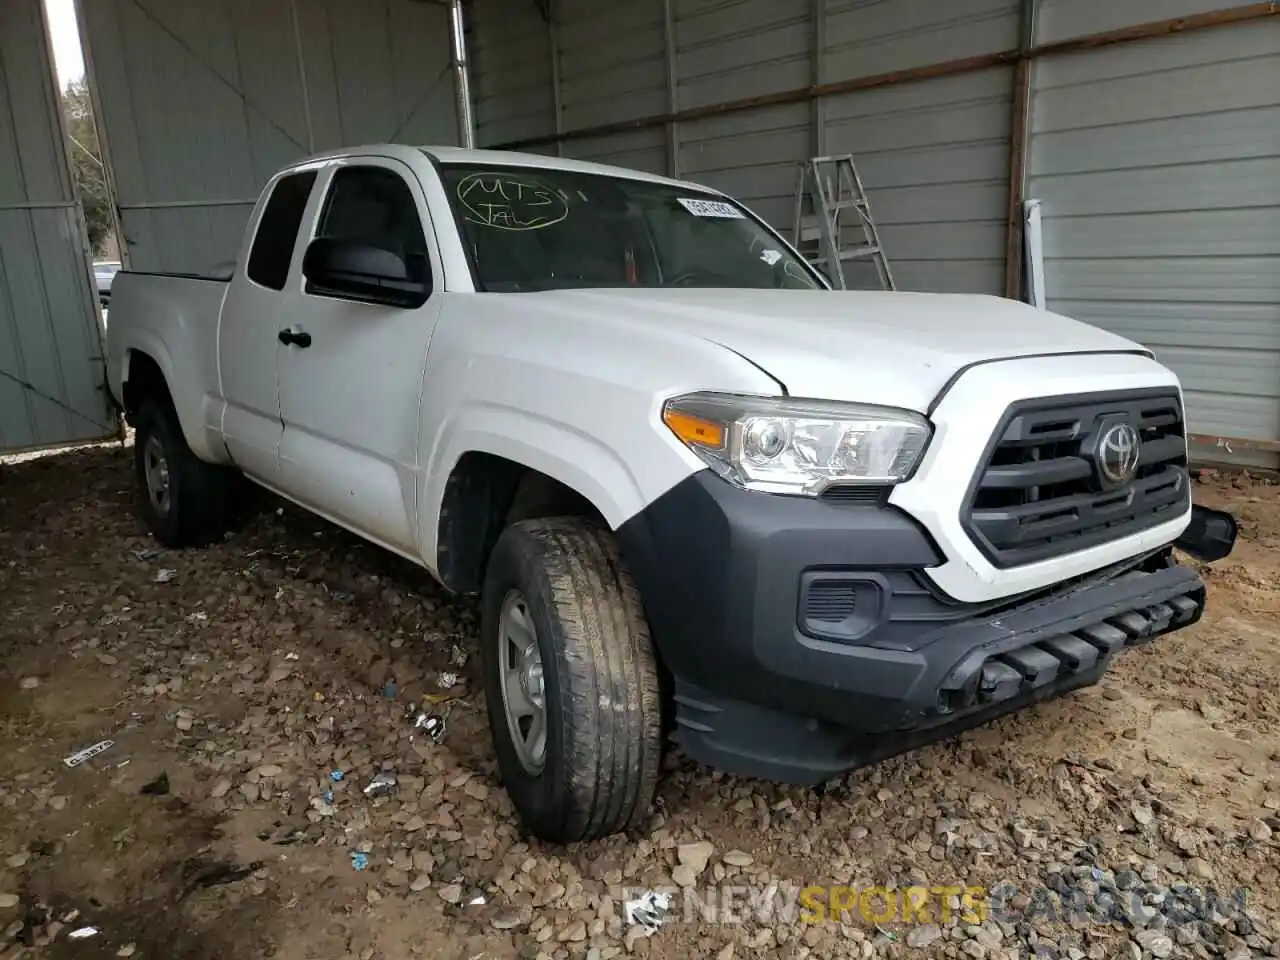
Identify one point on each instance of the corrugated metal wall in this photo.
(51, 376)
(934, 155)
(201, 100)
(1158, 167)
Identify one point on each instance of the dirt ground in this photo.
(236, 682)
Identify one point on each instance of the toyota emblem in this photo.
(1118, 453)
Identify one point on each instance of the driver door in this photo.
(351, 371)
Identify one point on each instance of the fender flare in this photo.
(190, 419)
(581, 462)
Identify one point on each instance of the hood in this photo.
(894, 349)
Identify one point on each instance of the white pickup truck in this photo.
(690, 482)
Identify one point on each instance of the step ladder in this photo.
(825, 188)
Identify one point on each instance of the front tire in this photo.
(570, 680)
(184, 501)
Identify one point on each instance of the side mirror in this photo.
(361, 271)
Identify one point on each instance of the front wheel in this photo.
(571, 681)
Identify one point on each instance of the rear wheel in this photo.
(184, 501)
(571, 681)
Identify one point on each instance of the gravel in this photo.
(263, 667)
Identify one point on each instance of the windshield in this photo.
(528, 228)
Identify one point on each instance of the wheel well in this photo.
(144, 381)
(483, 496)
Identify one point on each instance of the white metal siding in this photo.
(51, 376)
(510, 51)
(934, 155)
(1064, 19)
(728, 49)
(201, 100)
(934, 158)
(622, 79)
(1158, 165)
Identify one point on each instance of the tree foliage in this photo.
(86, 162)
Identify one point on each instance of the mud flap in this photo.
(1210, 536)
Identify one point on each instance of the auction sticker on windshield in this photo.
(711, 208)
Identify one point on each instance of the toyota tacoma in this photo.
(696, 489)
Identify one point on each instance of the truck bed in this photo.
(174, 317)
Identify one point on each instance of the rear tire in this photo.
(560, 585)
(184, 501)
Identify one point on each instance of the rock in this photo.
(184, 723)
(815, 936)
(726, 952)
(420, 882)
(1238, 953)
(270, 770)
(1200, 867)
(250, 792)
(683, 876)
(548, 894)
(1185, 841)
(974, 949)
(128, 950)
(29, 683)
(695, 856)
(423, 861)
(394, 877)
(1142, 814)
(736, 858)
(221, 787)
(1154, 942)
(1259, 831)
(58, 802)
(451, 893)
(1126, 880)
(506, 920)
(414, 824)
(8, 901)
(575, 932)
(476, 790)
(18, 859)
(923, 936)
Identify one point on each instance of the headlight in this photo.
(798, 446)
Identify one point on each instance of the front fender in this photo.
(617, 482)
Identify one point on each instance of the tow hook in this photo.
(1209, 536)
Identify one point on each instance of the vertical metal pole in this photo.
(1014, 221)
(673, 99)
(302, 75)
(817, 113)
(461, 76)
(553, 47)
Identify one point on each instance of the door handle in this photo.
(292, 338)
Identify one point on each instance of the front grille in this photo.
(1042, 492)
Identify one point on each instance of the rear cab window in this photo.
(277, 233)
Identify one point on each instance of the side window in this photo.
(278, 230)
(374, 206)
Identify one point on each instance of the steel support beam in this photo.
(461, 75)
(1022, 71)
(670, 55)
